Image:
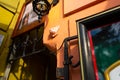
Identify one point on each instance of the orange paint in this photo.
(72, 6)
(68, 27)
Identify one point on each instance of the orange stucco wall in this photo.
(68, 27)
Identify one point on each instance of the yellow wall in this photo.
(4, 49)
(67, 28)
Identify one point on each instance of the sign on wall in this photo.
(73, 6)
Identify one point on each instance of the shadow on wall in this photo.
(41, 66)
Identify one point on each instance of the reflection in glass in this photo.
(106, 42)
(29, 16)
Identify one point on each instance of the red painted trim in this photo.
(25, 28)
(18, 20)
(93, 56)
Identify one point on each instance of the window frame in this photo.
(28, 27)
(87, 59)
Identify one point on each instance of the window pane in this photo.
(106, 42)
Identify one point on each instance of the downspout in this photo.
(67, 59)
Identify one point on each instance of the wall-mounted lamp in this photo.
(42, 7)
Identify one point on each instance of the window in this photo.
(99, 42)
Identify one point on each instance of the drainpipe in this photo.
(67, 60)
